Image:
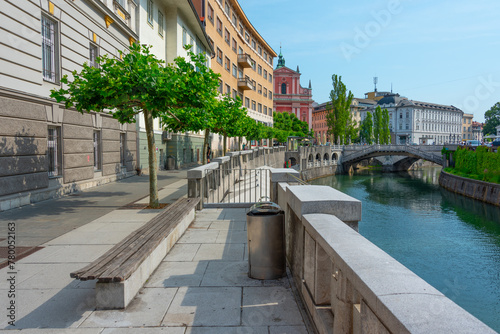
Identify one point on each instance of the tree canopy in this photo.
(179, 93)
(286, 124)
(338, 116)
(366, 131)
(492, 120)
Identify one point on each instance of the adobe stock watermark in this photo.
(486, 87)
(364, 36)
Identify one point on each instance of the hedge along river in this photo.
(451, 241)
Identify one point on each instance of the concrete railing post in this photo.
(278, 175)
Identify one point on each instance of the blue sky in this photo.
(439, 51)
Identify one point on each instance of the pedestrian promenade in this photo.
(200, 287)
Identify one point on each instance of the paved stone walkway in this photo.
(200, 287)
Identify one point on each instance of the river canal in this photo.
(451, 241)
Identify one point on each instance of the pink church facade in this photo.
(289, 95)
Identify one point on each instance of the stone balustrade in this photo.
(348, 284)
(212, 181)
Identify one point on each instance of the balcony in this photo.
(245, 61)
(245, 83)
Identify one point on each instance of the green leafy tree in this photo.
(386, 132)
(227, 118)
(139, 82)
(366, 131)
(338, 110)
(290, 125)
(492, 120)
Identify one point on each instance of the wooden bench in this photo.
(122, 271)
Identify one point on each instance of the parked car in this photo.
(495, 143)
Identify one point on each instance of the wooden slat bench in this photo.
(122, 271)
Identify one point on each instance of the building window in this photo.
(235, 20)
(219, 26)
(265, 92)
(235, 71)
(271, 60)
(227, 64)
(227, 37)
(240, 50)
(235, 45)
(254, 85)
(247, 102)
(260, 50)
(270, 77)
(220, 86)
(253, 65)
(150, 12)
(260, 108)
(283, 88)
(400, 115)
(228, 90)
(270, 95)
(240, 73)
(97, 150)
(210, 14)
(160, 23)
(219, 56)
(247, 37)
(241, 30)
(227, 8)
(54, 151)
(123, 156)
(93, 54)
(259, 90)
(50, 50)
(254, 105)
(254, 45)
(407, 114)
(235, 94)
(265, 110)
(265, 74)
(259, 70)
(184, 37)
(265, 55)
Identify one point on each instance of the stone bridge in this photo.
(354, 154)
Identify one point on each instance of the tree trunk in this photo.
(239, 143)
(153, 181)
(205, 146)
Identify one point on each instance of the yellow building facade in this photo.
(242, 57)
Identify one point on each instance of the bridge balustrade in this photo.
(348, 284)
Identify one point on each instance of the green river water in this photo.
(451, 241)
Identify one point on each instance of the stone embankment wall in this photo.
(483, 191)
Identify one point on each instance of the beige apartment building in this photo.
(467, 127)
(242, 57)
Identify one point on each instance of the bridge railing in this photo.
(348, 284)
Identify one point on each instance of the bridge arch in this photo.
(335, 157)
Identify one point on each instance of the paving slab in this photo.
(269, 306)
(226, 252)
(182, 252)
(232, 237)
(288, 330)
(196, 237)
(90, 238)
(161, 330)
(200, 225)
(146, 309)
(55, 331)
(208, 306)
(227, 330)
(67, 254)
(53, 276)
(228, 225)
(222, 273)
(176, 274)
(51, 308)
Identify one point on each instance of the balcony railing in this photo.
(245, 83)
(245, 61)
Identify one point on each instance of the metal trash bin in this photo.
(266, 241)
(170, 162)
